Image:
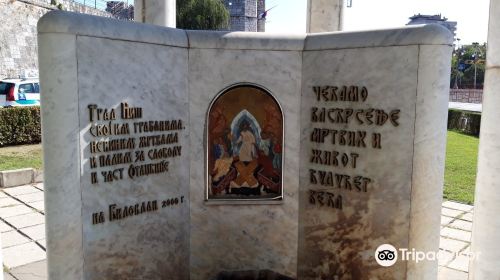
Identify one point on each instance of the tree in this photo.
(468, 61)
(202, 15)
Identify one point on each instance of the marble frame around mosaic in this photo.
(225, 201)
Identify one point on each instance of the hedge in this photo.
(464, 121)
(20, 125)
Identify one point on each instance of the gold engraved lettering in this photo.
(394, 117)
(130, 112)
(93, 178)
(339, 181)
(97, 218)
(112, 175)
(157, 126)
(108, 129)
(341, 93)
(116, 213)
(158, 140)
(164, 152)
(377, 141)
(100, 114)
(147, 169)
(324, 198)
(115, 159)
(333, 158)
(112, 145)
(93, 162)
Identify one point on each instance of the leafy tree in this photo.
(202, 15)
(462, 66)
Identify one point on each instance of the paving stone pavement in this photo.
(454, 245)
(22, 227)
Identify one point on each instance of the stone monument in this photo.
(176, 154)
(486, 226)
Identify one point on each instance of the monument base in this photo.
(251, 275)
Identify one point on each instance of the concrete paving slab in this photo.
(22, 254)
(466, 250)
(2, 194)
(452, 245)
(38, 186)
(5, 227)
(31, 197)
(42, 242)
(35, 232)
(451, 212)
(467, 217)
(461, 262)
(7, 276)
(11, 178)
(16, 210)
(26, 189)
(8, 201)
(445, 220)
(456, 234)
(13, 238)
(26, 220)
(445, 257)
(445, 273)
(39, 205)
(461, 224)
(32, 271)
(458, 206)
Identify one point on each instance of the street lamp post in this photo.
(457, 55)
(475, 44)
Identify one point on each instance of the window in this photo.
(37, 88)
(26, 88)
(5, 87)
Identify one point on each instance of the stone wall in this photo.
(18, 39)
(261, 23)
(466, 95)
(244, 15)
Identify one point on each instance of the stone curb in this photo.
(18, 177)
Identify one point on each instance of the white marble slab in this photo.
(244, 237)
(401, 203)
(90, 69)
(175, 74)
(485, 237)
(154, 78)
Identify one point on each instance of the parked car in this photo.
(19, 92)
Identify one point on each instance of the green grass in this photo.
(24, 156)
(460, 168)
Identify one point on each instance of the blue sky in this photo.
(289, 16)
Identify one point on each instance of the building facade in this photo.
(436, 19)
(245, 15)
(18, 35)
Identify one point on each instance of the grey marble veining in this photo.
(154, 244)
(334, 241)
(431, 34)
(244, 237)
(85, 25)
(485, 237)
(402, 201)
(63, 221)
